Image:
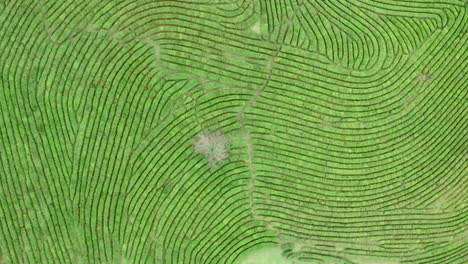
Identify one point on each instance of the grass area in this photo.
(242, 132)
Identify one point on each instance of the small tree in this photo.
(212, 145)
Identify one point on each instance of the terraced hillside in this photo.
(233, 131)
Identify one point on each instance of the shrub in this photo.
(212, 145)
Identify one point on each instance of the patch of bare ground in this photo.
(424, 77)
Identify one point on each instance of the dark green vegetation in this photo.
(348, 121)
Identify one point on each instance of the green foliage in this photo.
(343, 131)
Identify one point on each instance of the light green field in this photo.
(233, 131)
